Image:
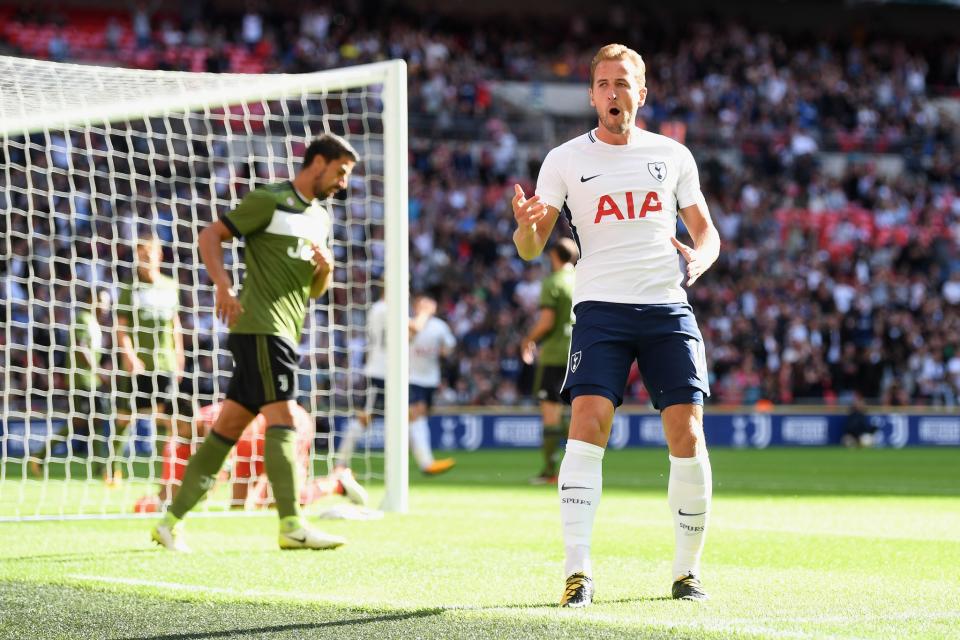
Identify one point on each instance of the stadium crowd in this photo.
(832, 281)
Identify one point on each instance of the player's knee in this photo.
(280, 413)
(591, 419)
(683, 443)
(683, 430)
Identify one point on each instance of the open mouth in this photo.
(614, 111)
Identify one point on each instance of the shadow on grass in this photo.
(394, 617)
(281, 628)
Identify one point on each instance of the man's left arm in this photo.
(323, 274)
(706, 240)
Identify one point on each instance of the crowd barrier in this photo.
(470, 430)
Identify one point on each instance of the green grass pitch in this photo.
(803, 543)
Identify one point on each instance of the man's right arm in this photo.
(226, 305)
(535, 222)
(535, 216)
(540, 330)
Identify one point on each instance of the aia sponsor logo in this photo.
(631, 206)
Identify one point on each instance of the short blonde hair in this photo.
(620, 52)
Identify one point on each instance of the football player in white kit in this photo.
(622, 189)
(430, 340)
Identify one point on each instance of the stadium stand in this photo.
(833, 175)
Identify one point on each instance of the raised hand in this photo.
(527, 211)
(695, 266)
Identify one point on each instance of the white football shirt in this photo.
(425, 352)
(622, 203)
(376, 366)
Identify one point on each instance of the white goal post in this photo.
(90, 157)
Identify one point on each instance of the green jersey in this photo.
(86, 343)
(556, 293)
(279, 227)
(150, 309)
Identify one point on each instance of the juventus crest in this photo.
(658, 170)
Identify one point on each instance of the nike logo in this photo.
(582, 179)
(570, 486)
(680, 512)
(300, 540)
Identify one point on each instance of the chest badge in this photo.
(290, 201)
(658, 170)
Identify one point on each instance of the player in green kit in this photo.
(552, 331)
(151, 348)
(288, 260)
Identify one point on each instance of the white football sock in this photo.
(349, 442)
(580, 483)
(689, 494)
(420, 443)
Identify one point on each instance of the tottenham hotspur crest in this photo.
(658, 170)
(575, 361)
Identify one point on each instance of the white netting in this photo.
(93, 157)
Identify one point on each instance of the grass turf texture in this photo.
(804, 543)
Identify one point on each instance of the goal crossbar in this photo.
(178, 91)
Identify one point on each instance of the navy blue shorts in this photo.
(663, 338)
(421, 394)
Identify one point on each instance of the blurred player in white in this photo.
(622, 190)
(430, 340)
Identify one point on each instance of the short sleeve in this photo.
(253, 214)
(688, 183)
(548, 296)
(551, 187)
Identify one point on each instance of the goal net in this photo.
(93, 159)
